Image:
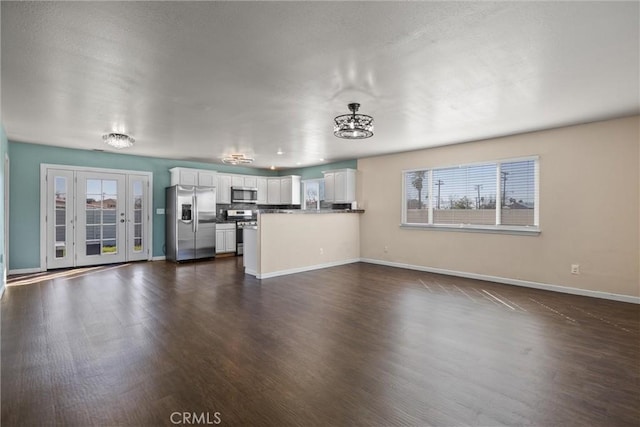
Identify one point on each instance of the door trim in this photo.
(43, 203)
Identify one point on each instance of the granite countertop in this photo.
(309, 212)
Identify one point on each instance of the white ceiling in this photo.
(199, 80)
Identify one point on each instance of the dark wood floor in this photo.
(353, 345)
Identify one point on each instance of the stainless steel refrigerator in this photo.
(190, 222)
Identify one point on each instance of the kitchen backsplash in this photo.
(223, 207)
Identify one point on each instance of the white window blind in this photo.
(465, 195)
(518, 193)
(417, 196)
(501, 194)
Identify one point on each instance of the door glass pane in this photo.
(60, 251)
(109, 231)
(102, 216)
(94, 186)
(93, 248)
(109, 187)
(61, 216)
(137, 215)
(109, 216)
(60, 229)
(109, 247)
(94, 201)
(93, 216)
(93, 232)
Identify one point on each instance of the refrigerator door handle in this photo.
(195, 213)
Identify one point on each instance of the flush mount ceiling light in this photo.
(118, 140)
(353, 126)
(237, 159)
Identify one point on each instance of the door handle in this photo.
(122, 220)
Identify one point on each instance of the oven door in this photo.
(244, 195)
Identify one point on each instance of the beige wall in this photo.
(293, 241)
(589, 210)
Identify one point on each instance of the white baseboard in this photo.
(507, 281)
(158, 258)
(306, 268)
(25, 271)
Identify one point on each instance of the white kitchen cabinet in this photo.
(283, 190)
(290, 190)
(340, 186)
(188, 176)
(230, 240)
(250, 181)
(207, 178)
(225, 238)
(261, 184)
(237, 181)
(223, 192)
(273, 191)
(329, 185)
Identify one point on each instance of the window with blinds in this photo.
(417, 196)
(490, 195)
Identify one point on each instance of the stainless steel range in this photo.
(245, 218)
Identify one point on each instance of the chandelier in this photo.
(118, 140)
(237, 159)
(353, 126)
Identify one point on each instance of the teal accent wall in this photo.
(313, 172)
(4, 143)
(24, 217)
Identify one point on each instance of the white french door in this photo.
(100, 209)
(137, 213)
(96, 217)
(60, 195)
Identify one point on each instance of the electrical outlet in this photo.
(575, 268)
(321, 251)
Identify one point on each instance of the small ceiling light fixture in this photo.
(353, 126)
(280, 152)
(272, 167)
(237, 159)
(118, 140)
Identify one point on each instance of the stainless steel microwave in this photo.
(244, 195)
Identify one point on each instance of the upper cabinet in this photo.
(244, 181)
(237, 181)
(187, 176)
(290, 190)
(251, 181)
(273, 191)
(283, 190)
(340, 186)
(223, 193)
(261, 184)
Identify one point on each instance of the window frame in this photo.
(304, 191)
(481, 228)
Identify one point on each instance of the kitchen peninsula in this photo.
(292, 241)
